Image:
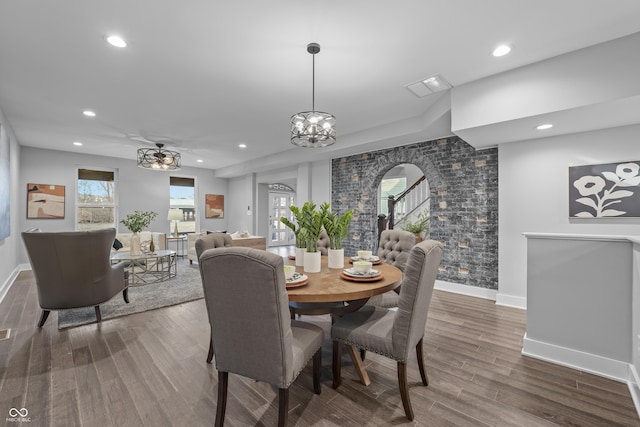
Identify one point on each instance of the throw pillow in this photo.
(117, 245)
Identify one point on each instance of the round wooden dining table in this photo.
(329, 292)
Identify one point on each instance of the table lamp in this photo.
(175, 215)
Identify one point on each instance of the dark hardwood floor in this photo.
(149, 369)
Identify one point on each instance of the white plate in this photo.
(352, 273)
(374, 258)
(297, 278)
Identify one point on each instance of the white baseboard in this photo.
(472, 291)
(634, 387)
(12, 277)
(576, 359)
(511, 301)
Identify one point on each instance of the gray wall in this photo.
(534, 195)
(464, 203)
(138, 189)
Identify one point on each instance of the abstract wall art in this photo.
(214, 205)
(45, 201)
(5, 186)
(610, 190)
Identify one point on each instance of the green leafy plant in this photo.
(312, 221)
(420, 226)
(138, 220)
(337, 227)
(298, 230)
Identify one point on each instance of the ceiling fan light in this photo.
(159, 159)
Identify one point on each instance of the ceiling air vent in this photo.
(429, 85)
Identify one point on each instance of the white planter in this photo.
(312, 262)
(300, 256)
(336, 258)
(135, 244)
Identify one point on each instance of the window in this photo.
(182, 195)
(388, 187)
(95, 200)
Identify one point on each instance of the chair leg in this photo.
(210, 355)
(404, 390)
(98, 316)
(43, 318)
(125, 295)
(283, 407)
(221, 406)
(423, 373)
(336, 364)
(317, 365)
(363, 354)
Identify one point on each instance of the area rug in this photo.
(186, 286)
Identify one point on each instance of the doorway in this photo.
(279, 202)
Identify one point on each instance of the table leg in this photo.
(358, 365)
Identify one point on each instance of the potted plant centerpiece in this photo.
(337, 228)
(299, 232)
(420, 227)
(135, 222)
(312, 221)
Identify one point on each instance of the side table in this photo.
(181, 243)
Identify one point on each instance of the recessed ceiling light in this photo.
(116, 41)
(78, 143)
(544, 126)
(199, 160)
(501, 50)
(242, 145)
(89, 113)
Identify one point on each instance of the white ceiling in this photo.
(203, 76)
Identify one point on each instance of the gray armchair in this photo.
(394, 249)
(264, 344)
(72, 269)
(394, 333)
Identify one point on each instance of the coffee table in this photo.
(148, 267)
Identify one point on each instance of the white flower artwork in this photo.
(604, 191)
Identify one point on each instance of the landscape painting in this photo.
(214, 205)
(45, 201)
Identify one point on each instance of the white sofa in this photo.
(159, 240)
(191, 245)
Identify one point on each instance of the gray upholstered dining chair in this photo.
(394, 333)
(394, 248)
(324, 243)
(211, 241)
(264, 344)
(72, 269)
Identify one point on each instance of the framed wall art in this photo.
(610, 190)
(214, 206)
(45, 201)
(5, 186)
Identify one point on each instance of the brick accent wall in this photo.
(464, 203)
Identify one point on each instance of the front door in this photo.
(279, 202)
